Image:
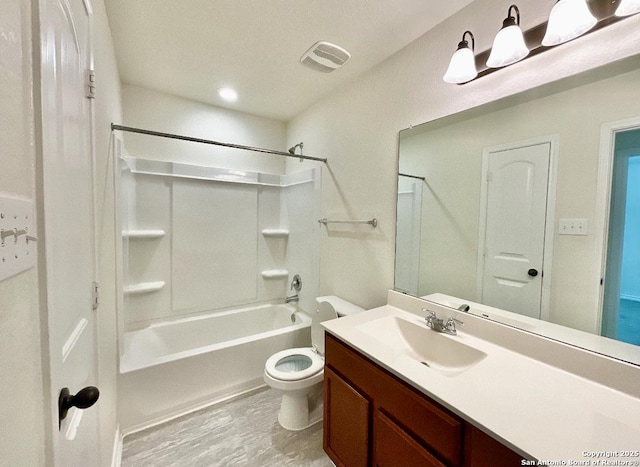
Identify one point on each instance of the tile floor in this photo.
(240, 432)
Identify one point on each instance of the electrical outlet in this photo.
(573, 227)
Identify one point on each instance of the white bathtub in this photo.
(172, 368)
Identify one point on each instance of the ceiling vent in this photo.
(325, 57)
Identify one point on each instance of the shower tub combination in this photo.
(204, 239)
(172, 368)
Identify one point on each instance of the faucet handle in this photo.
(432, 314)
(431, 318)
(450, 325)
(451, 318)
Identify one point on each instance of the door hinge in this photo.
(90, 84)
(489, 176)
(95, 294)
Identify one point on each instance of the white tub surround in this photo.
(178, 261)
(540, 397)
(170, 369)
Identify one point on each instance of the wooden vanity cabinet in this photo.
(373, 418)
(346, 422)
(481, 450)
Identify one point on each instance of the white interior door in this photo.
(69, 239)
(516, 208)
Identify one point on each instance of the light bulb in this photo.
(462, 67)
(568, 19)
(508, 46)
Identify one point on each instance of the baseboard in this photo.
(116, 456)
(185, 410)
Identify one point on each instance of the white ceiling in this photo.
(191, 48)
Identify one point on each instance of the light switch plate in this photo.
(573, 227)
(17, 235)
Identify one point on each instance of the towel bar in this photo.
(373, 222)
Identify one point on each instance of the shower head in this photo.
(292, 150)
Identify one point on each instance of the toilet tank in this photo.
(338, 307)
(342, 307)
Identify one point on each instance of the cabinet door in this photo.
(395, 448)
(346, 422)
(423, 419)
(481, 450)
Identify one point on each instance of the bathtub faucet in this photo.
(296, 284)
(292, 298)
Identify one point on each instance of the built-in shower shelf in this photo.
(275, 274)
(275, 233)
(144, 234)
(144, 287)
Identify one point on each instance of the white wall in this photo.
(357, 127)
(23, 410)
(153, 110)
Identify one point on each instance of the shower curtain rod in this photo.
(412, 176)
(215, 143)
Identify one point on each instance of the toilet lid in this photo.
(294, 364)
(324, 312)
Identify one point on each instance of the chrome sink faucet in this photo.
(439, 325)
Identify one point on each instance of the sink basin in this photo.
(437, 351)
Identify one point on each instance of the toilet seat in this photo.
(294, 364)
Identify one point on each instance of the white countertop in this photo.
(535, 408)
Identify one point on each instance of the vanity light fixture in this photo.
(568, 19)
(508, 46)
(462, 67)
(628, 8)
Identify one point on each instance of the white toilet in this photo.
(299, 372)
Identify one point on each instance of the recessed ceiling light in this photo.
(228, 94)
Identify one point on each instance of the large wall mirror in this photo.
(528, 210)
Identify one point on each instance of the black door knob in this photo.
(532, 272)
(84, 399)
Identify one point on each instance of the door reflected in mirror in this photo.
(514, 208)
(621, 307)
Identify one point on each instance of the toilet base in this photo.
(301, 409)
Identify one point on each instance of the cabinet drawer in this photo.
(394, 447)
(351, 365)
(428, 423)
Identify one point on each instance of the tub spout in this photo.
(292, 298)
